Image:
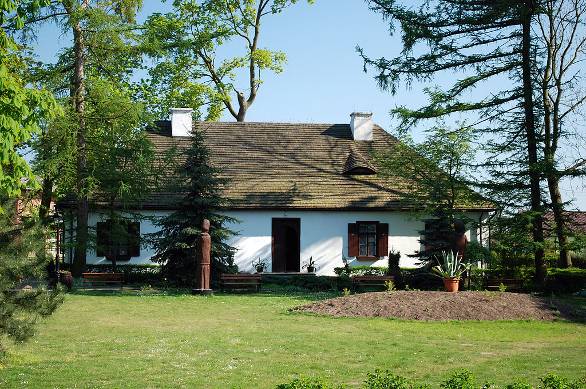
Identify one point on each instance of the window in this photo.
(118, 240)
(367, 239)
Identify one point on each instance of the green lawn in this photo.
(252, 341)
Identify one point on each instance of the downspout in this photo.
(480, 238)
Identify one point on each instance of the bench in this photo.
(103, 280)
(370, 281)
(512, 284)
(241, 281)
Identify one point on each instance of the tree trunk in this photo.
(565, 259)
(530, 133)
(78, 92)
(242, 107)
(46, 197)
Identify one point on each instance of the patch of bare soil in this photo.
(415, 305)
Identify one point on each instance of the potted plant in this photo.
(310, 265)
(450, 268)
(260, 265)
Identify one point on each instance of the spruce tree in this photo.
(176, 243)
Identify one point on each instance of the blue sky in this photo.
(323, 81)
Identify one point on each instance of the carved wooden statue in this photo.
(203, 259)
(460, 239)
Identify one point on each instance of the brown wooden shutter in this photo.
(101, 238)
(352, 240)
(134, 239)
(382, 234)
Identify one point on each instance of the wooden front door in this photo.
(286, 245)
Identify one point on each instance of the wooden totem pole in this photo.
(203, 258)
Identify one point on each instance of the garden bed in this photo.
(444, 306)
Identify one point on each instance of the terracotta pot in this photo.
(451, 284)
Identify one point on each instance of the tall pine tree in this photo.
(490, 43)
(176, 243)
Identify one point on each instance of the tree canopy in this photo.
(192, 71)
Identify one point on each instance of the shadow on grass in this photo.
(570, 308)
(267, 291)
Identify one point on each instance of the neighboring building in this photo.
(298, 191)
(576, 224)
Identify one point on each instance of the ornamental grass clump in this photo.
(451, 265)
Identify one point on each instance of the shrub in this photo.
(386, 380)
(422, 279)
(306, 383)
(553, 381)
(462, 379)
(390, 286)
(519, 385)
(313, 283)
(133, 274)
(475, 253)
(565, 280)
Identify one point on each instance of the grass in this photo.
(252, 341)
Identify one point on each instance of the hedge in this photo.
(309, 282)
(565, 280)
(133, 274)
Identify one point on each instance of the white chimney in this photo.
(361, 125)
(181, 121)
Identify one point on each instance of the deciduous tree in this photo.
(101, 49)
(190, 72)
(562, 28)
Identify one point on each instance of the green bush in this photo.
(553, 381)
(462, 379)
(565, 280)
(306, 383)
(133, 274)
(422, 279)
(386, 380)
(312, 283)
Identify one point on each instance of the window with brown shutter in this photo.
(382, 232)
(352, 240)
(368, 239)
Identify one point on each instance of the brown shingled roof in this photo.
(576, 222)
(291, 166)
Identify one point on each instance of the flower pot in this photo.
(260, 269)
(310, 269)
(451, 284)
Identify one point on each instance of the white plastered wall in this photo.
(324, 236)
